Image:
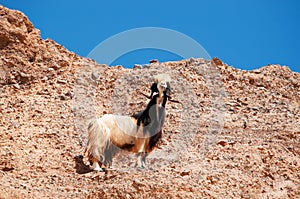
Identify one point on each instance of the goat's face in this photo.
(162, 85)
(164, 88)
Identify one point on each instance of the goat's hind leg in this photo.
(95, 165)
(109, 154)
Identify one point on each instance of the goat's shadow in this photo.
(80, 167)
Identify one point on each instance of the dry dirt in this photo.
(236, 134)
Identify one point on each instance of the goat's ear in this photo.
(168, 89)
(168, 86)
(153, 89)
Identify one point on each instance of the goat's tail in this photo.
(98, 140)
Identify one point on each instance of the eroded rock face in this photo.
(48, 95)
(25, 57)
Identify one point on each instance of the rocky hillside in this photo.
(236, 134)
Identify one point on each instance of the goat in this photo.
(138, 133)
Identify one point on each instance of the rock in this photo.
(56, 67)
(16, 86)
(260, 147)
(192, 60)
(24, 78)
(69, 94)
(61, 97)
(137, 66)
(147, 66)
(62, 81)
(217, 61)
(24, 50)
(185, 172)
(153, 61)
(222, 142)
(5, 169)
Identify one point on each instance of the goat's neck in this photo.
(159, 99)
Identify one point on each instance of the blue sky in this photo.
(244, 34)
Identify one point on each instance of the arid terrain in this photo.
(235, 134)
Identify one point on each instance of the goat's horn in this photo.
(144, 95)
(175, 101)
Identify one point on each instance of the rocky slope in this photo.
(236, 133)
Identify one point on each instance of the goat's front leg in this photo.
(144, 155)
(139, 160)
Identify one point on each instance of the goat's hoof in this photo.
(140, 167)
(98, 169)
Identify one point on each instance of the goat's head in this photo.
(161, 85)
